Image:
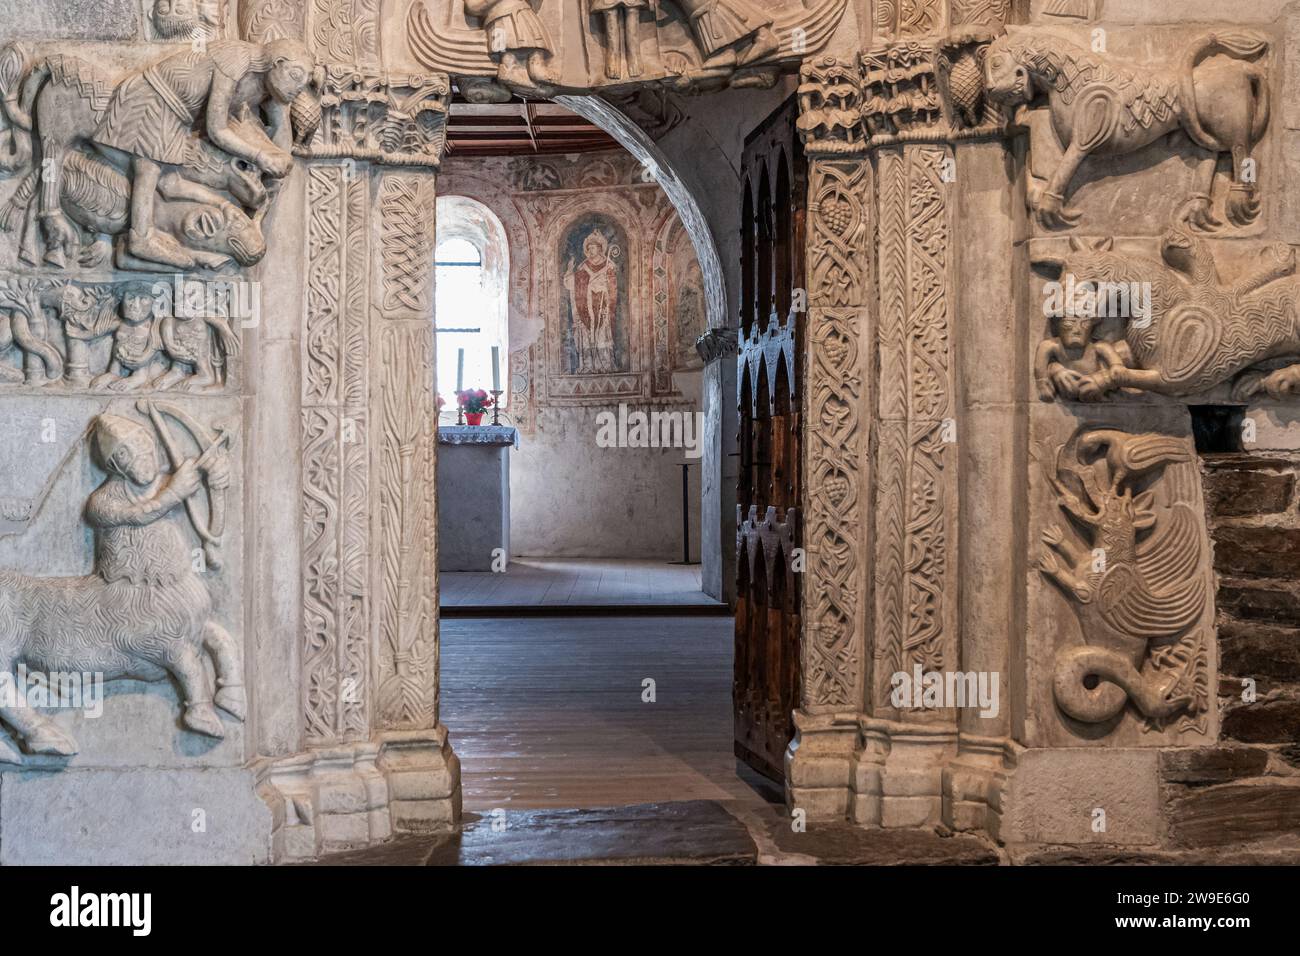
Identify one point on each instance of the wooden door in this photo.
(765, 683)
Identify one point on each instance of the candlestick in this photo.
(460, 371)
(496, 404)
(496, 370)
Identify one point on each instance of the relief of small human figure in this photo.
(622, 19)
(517, 36)
(730, 33)
(1064, 363)
(136, 342)
(186, 19)
(144, 612)
(197, 362)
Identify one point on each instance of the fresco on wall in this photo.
(688, 309)
(594, 297)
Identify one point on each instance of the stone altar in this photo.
(474, 497)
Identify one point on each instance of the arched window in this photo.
(471, 264)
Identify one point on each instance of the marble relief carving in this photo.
(187, 19)
(336, 448)
(915, 549)
(1104, 106)
(1193, 329)
(1130, 559)
(177, 161)
(145, 611)
(495, 46)
(115, 336)
(363, 114)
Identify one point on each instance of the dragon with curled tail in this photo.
(1138, 584)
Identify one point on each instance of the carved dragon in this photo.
(1137, 584)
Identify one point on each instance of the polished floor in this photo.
(577, 582)
(554, 712)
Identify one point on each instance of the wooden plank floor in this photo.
(547, 712)
(551, 582)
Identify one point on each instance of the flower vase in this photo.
(474, 418)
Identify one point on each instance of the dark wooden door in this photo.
(765, 686)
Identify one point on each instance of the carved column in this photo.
(422, 771)
(377, 760)
(837, 398)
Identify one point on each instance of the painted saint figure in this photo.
(593, 302)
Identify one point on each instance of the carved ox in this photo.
(60, 101)
(1106, 107)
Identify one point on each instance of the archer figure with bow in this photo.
(146, 612)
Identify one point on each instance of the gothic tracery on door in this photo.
(766, 668)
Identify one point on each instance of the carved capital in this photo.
(390, 119)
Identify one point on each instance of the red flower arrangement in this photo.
(474, 401)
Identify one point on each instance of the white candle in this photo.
(496, 371)
(460, 370)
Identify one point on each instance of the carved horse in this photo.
(1201, 331)
(60, 101)
(1103, 107)
(1129, 593)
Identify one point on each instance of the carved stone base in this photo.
(423, 779)
(819, 765)
(898, 776)
(348, 797)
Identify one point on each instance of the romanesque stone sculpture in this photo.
(1064, 363)
(1201, 331)
(145, 612)
(153, 343)
(830, 105)
(135, 342)
(1132, 569)
(196, 344)
(730, 32)
(622, 19)
(1217, 95)
(517, 39)
(495, 46)
(23, 326)
(187, 19)
(156, 157)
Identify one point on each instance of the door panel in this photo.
(769, 375)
